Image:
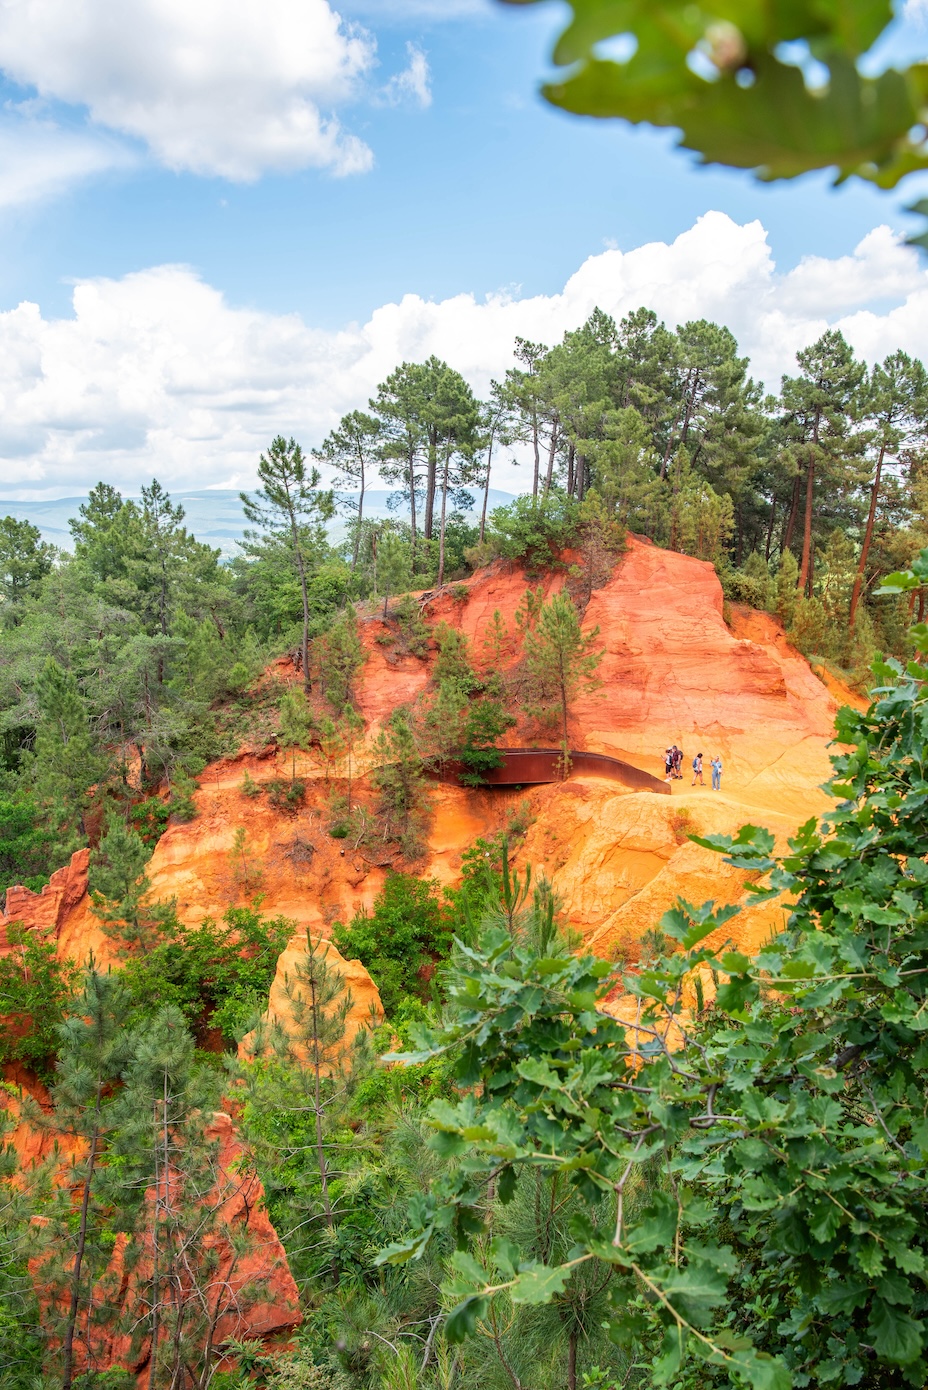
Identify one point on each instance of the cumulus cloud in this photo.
(157, 374)
(222, 87)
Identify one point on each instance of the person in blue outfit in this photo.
(716, 765)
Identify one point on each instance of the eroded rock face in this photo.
(60, 910)
(366, 1009)
(673, 671)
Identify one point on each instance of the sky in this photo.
(228, 220)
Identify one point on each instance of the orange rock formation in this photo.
(673, 671)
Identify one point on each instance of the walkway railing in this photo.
(523, 767)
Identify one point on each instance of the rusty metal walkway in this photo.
(524, 767)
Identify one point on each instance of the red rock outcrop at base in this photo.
(246, 1283)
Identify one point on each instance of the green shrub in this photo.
(35, 988)
(218, 973)
(249, 787)
(486, 721)
(401, 941)
(535, 530)
(286, 796)
(739, 587)
(414, 634)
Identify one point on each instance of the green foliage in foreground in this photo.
(730, 78)
(785, 1242)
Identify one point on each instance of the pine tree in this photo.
(296, 721)
(25, 560)
(74, 1257)
(494, 422)
(190, 1209)
(406, 456)
(820, 407)
(787, 572)
(303, 1065)
(561, 662)
(68, 761)
(351, 725)
(601, 539)
(897, 407)
(288, 505)
(340, 654)
(119, 886)
(352, 451)
(442, 722)
(393, 567)
(400, 780)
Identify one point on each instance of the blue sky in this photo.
(114, 163)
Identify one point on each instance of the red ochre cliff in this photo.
(674, 671)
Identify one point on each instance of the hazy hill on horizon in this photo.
(214, 516)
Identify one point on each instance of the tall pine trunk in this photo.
(412, 512)
(74, 1302)
(486, 491)
(444, 507)
(868, 537)
(430, 481)
(301, 567)
(807, 526)
(549, 475)
(357, 534)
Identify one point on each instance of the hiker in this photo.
(697, 770)
(668, 764)
(677, 763)
(716, 765)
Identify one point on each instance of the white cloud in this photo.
(221, 87)
(39, 159)
(157, 374)
(387, 11)
(413, 83)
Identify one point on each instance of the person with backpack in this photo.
(716, 765)
(697, 770)
(668, 764)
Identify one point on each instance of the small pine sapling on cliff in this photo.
(120, 888)
(404, 803)
(561, 662)
(296, 721)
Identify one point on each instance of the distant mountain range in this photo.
(215, 517)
